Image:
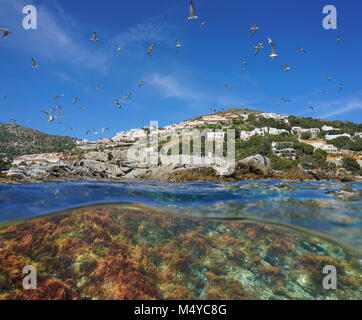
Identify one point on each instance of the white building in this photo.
(358, 134)
(335, 136)
(215, 135)
(329, 128)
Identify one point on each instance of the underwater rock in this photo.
(124, 252)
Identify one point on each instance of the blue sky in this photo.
(177, 85)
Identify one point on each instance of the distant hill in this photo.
(17, 140)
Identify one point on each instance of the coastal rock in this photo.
(102, 169)
(257, 164)
(98, 156)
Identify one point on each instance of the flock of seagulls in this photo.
(58, 111)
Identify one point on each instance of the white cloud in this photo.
(348, 107)
(55, 40)
(177, 86)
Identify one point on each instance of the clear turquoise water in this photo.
(330, 209)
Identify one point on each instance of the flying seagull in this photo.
(150, 49)
(244, 69)
(338, 39)
(202, 24)
(117, 104)
(50, 116)
(273, 54)
(127, 96)
(258, 47)
(192, 12)
(118, 49)
(5, 32)
(98, 87)
(75, 100)
(328, 78)
(313, 108)
(94, 37)
(96, 132)
(82, 108)
(301, 49)
(34, 65)
(58, 96)
(141, 84)
(286, 67)
(244, 63)
(285, 100)
(178, 46)
(212, 109)
(254, 28)
(227, 87)
(87, 132)
(104, 129)
(341, 86)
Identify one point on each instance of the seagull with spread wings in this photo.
(51, 118)
(254, 28)
(258, 47)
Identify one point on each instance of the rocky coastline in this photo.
(115, 165)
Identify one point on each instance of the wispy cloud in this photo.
(180, 87)
(347, 107)
(55, 40)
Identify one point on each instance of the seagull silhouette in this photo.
(5, 32)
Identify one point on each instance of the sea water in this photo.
(149, 240)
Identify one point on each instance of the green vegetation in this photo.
(16, 140)
(351, 164)
(347, 143)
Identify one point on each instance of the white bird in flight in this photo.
(141, 84)
(75, 100)
(254, 28)
(178, 46)
(273, 53)
(51, 118)
(258, 47)
(286, 67)
(301, 49)
(193, 15)
(118, 49)
(202, 24)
